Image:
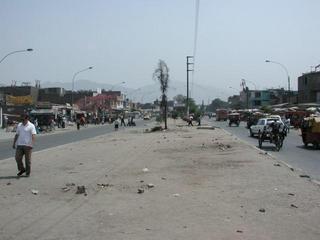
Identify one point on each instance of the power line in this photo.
(195, 41)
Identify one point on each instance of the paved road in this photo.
(53, 140)
(293, 151)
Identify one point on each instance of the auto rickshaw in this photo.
(310, 131)
(234, 118)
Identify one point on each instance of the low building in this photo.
(309, 87)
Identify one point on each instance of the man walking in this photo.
(23, 142)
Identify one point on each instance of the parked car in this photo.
(146, 117)
(262, 123)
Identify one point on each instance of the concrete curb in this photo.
(312, 180)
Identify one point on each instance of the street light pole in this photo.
(285, 69)
(188, 70)
(10, 53)
(115, 85)
(74, 76)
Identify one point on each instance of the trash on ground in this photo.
(239, 231)
(140, 190)
(277, 165)
(35, 192)
(70, 184)
(176, 195)
(150, 185)
(154, 129)
(294, 206)
(145, 170)
(304, 176)
(207, 127)
(9, 183)
(65, 189)
(103, 185)
(262, 210)
(81, 190)
(291, 194)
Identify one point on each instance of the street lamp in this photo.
(113, 86)
(10, 53)
(286, 70)
(74, 76)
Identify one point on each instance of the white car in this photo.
(255, 129)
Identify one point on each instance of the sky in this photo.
(124, 39)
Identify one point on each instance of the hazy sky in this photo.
(123, 40)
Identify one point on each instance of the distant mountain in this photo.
(148, 93)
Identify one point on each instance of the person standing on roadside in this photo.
(23, 143)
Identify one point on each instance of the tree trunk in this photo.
(165, 115)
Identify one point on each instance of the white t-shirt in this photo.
(25, 133)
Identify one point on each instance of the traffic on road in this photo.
(293, 151)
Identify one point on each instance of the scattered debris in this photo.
(292, 169)
(103, 185)
(263, 153)
(154, 129)
(176, 195)
(150, 185)
(81, 190)
(239, 231)
(141, 181)
(207, 127)
(294, 206)
(277, 165)
(262, 210)
(70, 184)
(291, 194)
(164, 178)
(140, 190)
(9, 183)
(35, 192)
(304, 176)
(145, 170)
(65, 189)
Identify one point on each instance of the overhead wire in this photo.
(195, 41)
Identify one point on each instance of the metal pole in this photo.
(187, 86)
(27, 50)
(188, 70)
(74, 76)
(286, 70)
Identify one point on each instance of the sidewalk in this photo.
(203, 184)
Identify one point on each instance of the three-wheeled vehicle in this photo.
(310, 131)
(234, 118)
(274, 133)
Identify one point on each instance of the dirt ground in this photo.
(193, 184)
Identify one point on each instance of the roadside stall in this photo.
(43, 119)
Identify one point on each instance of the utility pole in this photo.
(188, 70)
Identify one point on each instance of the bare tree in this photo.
(161, 74)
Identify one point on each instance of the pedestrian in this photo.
(116, 124)
(190, 121)
(78, 123)
(199, 120)
(23, 143)
(122, 121)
